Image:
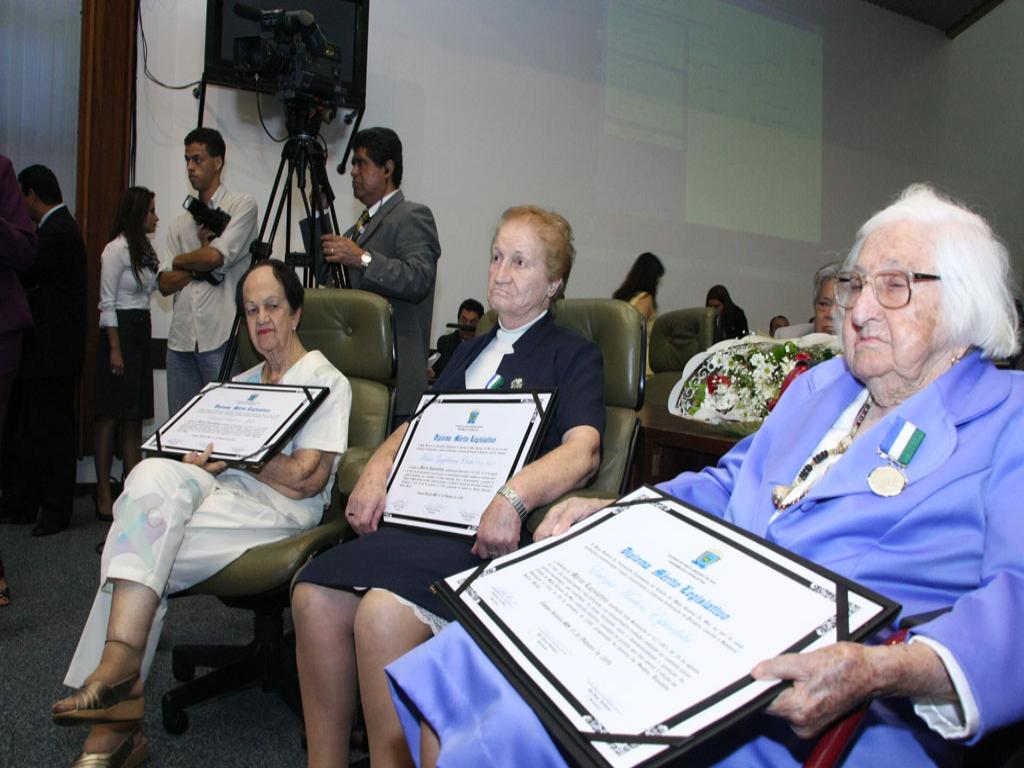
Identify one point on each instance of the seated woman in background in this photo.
(364, 603)
(732, 321)
(776, 323)
(124, 372)
(179, 522)
(927, 299)
(640, 289)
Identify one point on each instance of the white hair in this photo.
(977, 279)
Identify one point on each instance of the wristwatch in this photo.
(366, 258)
(515, 500)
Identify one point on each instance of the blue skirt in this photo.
(400, 560)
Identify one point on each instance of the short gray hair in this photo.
(977, 280)
(823, 275)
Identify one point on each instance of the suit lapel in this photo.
(375, 221)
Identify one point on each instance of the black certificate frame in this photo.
(527, 451)
(296, 418)
(579, 745)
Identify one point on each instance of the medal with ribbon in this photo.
(899, 446)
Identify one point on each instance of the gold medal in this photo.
(887, 481)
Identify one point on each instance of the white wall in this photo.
(503, 102)
(39, 67)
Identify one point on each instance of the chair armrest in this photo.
(351, 467)
(270, 566)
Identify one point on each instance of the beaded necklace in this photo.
(780, 492)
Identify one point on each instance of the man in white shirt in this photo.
(202, 270)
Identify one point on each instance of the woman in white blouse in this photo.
(124, 372)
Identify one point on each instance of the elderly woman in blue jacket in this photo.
(924, 305)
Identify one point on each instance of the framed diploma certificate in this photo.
(633, 635)
(247, 423)
(459, 449)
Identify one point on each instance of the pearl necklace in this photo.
(780, 492)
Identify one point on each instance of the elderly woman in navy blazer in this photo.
(925, 304)
(365, 603)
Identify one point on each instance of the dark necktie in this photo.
(364, 217)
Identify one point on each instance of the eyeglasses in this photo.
(892, 287)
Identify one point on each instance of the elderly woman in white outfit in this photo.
(177, 523)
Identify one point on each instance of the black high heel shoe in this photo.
(115, 491)
(96, 510)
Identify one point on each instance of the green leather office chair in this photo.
(354, 330)
(675, 338)
(618, 329)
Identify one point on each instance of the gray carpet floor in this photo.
(53, 580)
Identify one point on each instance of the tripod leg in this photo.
(322, 187)
(260, 250)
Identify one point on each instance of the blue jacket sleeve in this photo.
(983, 630)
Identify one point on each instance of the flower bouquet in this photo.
(736, 382)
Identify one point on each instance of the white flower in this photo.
(739, 380)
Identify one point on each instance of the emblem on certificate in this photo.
(459, 449)
(899, 446)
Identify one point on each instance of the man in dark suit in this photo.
(17, 252)
(39, 437)
(470, 312)
(392, 250)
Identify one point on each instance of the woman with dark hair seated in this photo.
(179, 522)
(927, 300)
(366, 602)
(731, 322)
(640, 289)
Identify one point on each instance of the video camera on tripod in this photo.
(307, 70)
(295, 53)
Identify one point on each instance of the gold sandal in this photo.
(96, 702)
(127, 754)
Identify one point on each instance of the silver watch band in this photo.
(515, 500)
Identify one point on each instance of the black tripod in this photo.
(306, 161)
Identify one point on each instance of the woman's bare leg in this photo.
(385, 629)
(325, 649)
(131, 445)
(430, 746)
(132, 607)
(104, 449)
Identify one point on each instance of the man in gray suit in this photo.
(392, 250)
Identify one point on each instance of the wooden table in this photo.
(670, 445)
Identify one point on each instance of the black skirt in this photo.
(400, 560)
(128, 397)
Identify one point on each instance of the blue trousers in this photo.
(188, 372)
